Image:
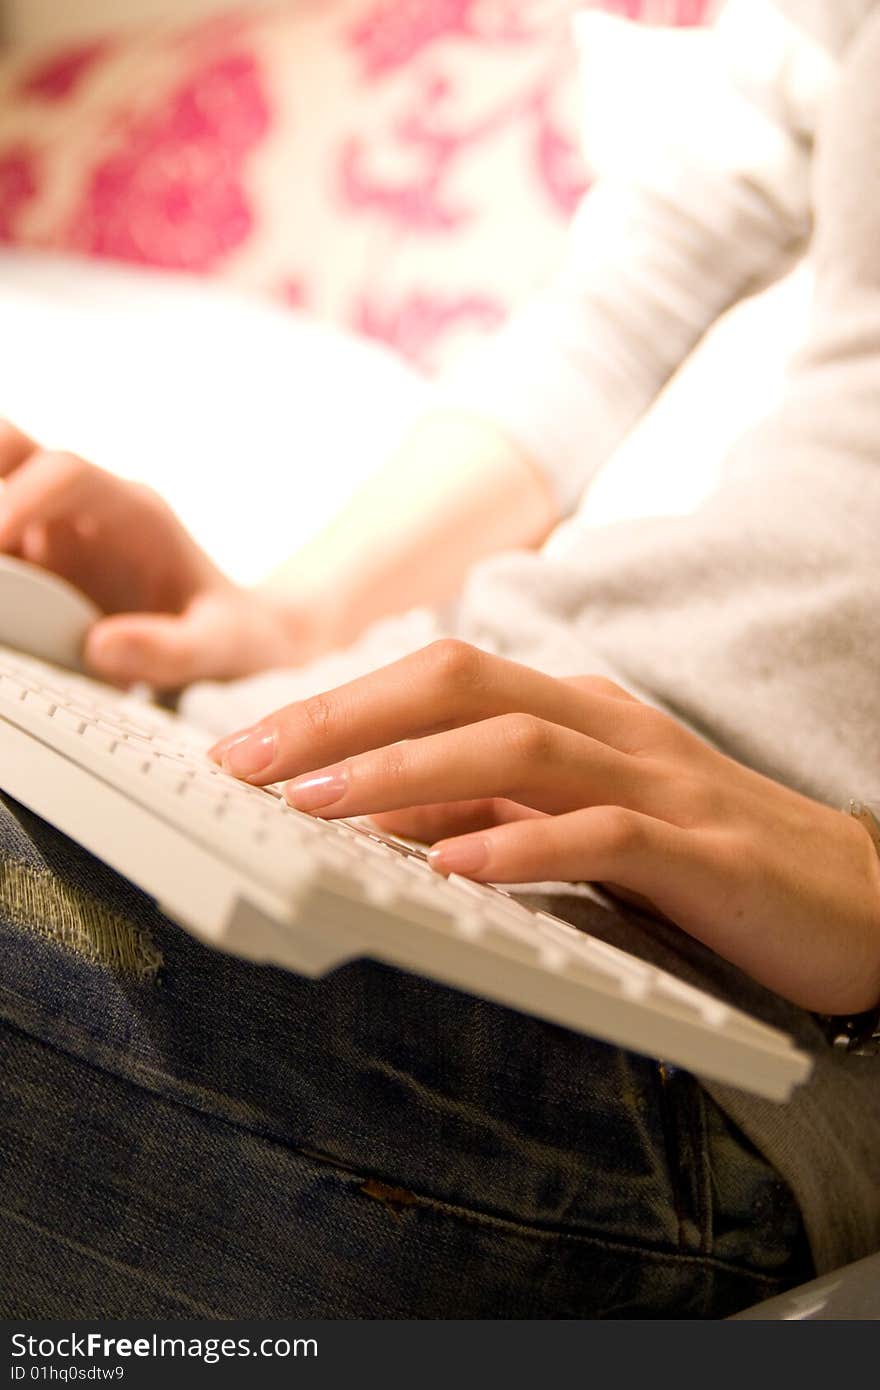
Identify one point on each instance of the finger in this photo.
(35, 545)
(598, 844)
(166, 651)
(15, 447)
(443, 686)
(514, 756)
(601, 685)
(208, 639)
(138, 647)
(61, 547)
(51, 485)
(430, 823)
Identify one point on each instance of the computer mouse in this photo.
(42, 614)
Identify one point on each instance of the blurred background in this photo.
(238, 243)
(28, 21)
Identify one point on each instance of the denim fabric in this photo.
(210, 1138)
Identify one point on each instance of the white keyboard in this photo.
(247, 874)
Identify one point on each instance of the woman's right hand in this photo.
(172, 616)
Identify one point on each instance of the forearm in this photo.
(456, 491)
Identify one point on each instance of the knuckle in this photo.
(69, 463)
(143, 496)
(456, 664)
(146, 494)
(654, 731)
(528, 738)
(655, 726)
(601, 685)
(734, 854)
(11, 438)
(393, 763)
(317, 711)
(618, 829)
(735, 863)
(696, 800)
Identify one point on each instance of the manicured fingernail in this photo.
(248, 754)
(314, 793)
(464, 856)
(217, 749)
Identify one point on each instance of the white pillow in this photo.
(255, 422)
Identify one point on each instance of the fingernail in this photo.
(248, 754)
(464, 856)
(314, 793)
(217, 749)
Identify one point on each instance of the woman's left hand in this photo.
(518, 777)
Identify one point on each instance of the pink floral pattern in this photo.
(436, 143)
(58, 78)
(293, 291)
(445, 126)
(683, 12)
(172, 195)
(396, 32)
(19, 184)
(412, 327)
(557, 160)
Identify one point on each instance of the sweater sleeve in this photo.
(700, 141)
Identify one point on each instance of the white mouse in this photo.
(42, 614)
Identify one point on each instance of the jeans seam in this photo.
(592, 1241)
(472, 1215)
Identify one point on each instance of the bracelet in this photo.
(858, 1034)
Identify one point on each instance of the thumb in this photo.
(163, 650)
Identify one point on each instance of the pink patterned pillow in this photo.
(404, 168)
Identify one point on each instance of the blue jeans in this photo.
(186, 1135)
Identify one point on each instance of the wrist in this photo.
(867, 813)
(456, 491)
(859, 1032)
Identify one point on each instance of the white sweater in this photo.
(702, 145)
